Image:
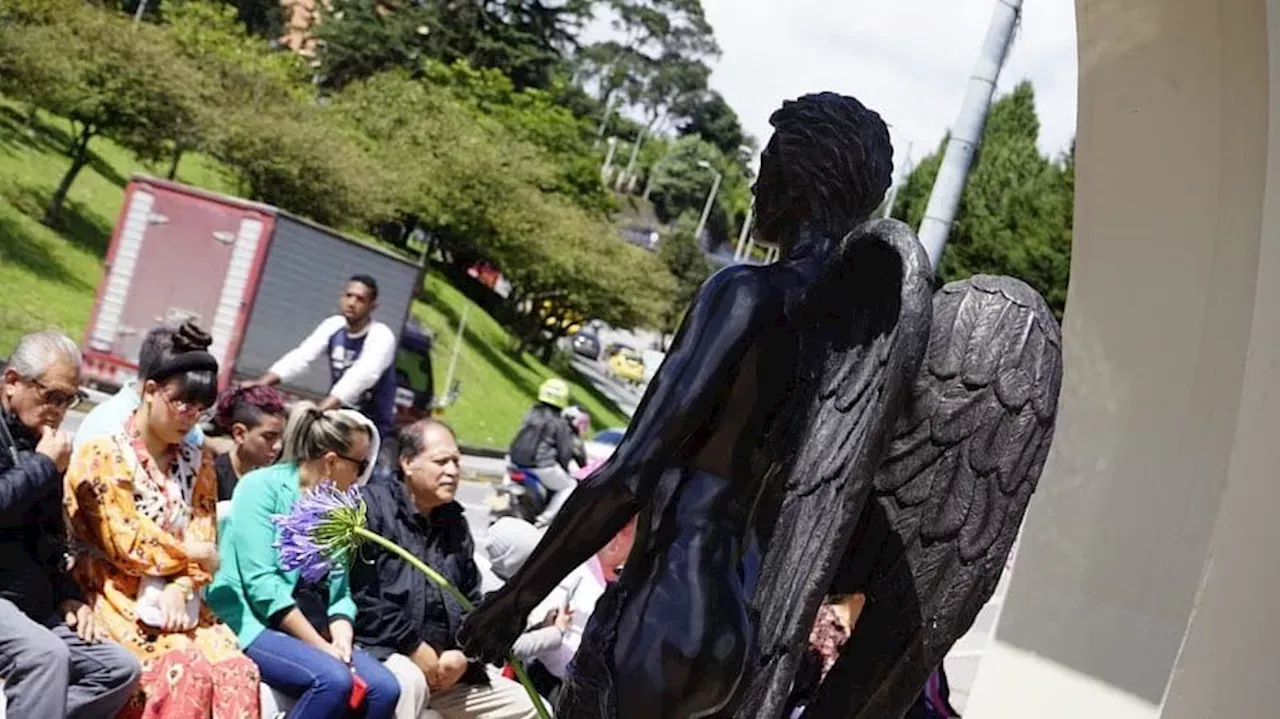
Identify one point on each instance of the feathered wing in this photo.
(950, 493)
(864, 325)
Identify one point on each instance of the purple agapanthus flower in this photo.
(320, 532)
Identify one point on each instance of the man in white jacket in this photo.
(558, 622)
(361, 353)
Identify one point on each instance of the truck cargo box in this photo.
(254, 276)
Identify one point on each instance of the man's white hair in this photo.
(38, 351)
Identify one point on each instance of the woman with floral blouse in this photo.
(141, 505)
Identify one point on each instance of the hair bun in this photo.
(190, 338)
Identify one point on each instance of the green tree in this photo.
(659, 58)
(479, 190)
(523, 39)
(712, 119)
(262, 18)
(107, 76)
(680, 185)
(242, 71)
(687, 264)
(532, 116)
(299, 159)
(1015, 213)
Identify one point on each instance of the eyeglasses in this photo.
(56, 397)
(182, 408)
(361, 464)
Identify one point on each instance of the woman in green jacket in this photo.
(299, 633)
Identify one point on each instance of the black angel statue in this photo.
(826, 418)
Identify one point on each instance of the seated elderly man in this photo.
(404, 619)
(52, 657)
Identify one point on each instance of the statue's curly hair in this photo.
(827, 165)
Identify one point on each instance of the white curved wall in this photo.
(1145, 579)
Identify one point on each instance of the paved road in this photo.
(622, 394)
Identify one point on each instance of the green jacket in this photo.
(250, 587)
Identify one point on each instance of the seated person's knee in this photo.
(48, 652)
(332, 674)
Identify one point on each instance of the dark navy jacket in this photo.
(398, 607)
(33, 569)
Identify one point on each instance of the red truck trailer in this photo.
(257, 278)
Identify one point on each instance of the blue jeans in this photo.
(321, 683)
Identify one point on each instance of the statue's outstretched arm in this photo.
(681, 398)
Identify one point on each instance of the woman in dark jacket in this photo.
(403, 618)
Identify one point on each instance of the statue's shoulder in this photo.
(748, 284)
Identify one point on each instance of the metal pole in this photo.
(631, 164)
(949, 186)
(457, 347)
(142, 8)
(746, 232)
(706, 209)
(608, 159)
(604, 121)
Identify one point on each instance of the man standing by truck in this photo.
(361, 354)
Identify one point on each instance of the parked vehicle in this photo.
(587, 344)
(627, 365)
(614, 348)
(257, 277)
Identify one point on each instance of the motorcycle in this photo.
(521, 495)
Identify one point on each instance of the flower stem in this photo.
(461, 599)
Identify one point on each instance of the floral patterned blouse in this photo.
(827, 637)
(129, 519)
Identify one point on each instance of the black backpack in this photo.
(524, 448)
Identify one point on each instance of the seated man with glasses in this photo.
(52, 657)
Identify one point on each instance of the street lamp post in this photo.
(740, 251)
(605, 169)
(711, 197)
(628, 175)
(604, 121)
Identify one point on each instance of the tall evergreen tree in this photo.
(1016, 212)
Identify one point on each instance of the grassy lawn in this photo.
(48, 277)
(497, 387)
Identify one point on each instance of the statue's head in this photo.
(827, 166)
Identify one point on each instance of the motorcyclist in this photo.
(579, 421)
(545, 445)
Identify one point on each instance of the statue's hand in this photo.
(493, 627)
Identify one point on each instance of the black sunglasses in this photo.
(361, 464)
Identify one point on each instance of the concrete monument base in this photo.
(1147, 574)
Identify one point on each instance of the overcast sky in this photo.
(907, 59)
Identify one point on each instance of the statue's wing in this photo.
(863, 329)
(950, 493)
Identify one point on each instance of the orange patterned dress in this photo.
(129, 521)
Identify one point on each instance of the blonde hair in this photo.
(310, 432)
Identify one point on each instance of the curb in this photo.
(486, 452)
